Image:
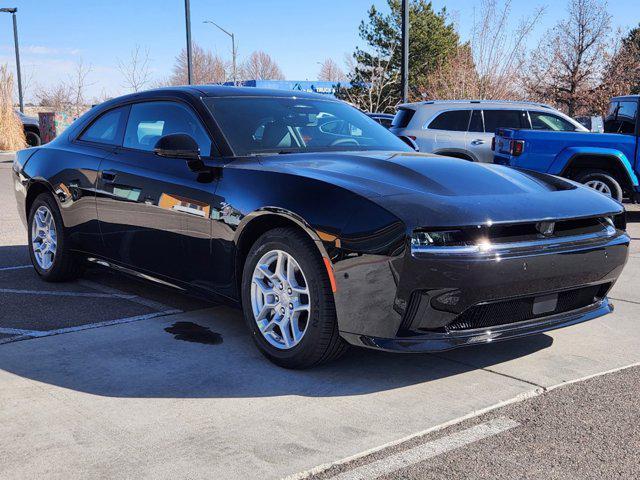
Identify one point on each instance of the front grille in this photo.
(521, 309)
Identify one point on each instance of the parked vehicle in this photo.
(31, 129)
(465, 128)
(324, 239)
(608, 162)
(384, 119)
(594, 123)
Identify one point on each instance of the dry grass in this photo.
(11, 132)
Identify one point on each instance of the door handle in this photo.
(108, 176)
(478, 141)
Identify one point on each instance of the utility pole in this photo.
(13, 12)
(405, 51)
(187, 15)
(234, 53)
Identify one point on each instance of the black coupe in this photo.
(326, 228)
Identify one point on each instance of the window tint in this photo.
(456, 120)
(546, 121)
(151, 120)
(476, 124)
(494, 119)
(105, 129)
(621, 117)
(403, 117)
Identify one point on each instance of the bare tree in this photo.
(135, 70)
(497, 49)
(207, 68)
(260, 66)
(58, 97)
(377, 79)
(455, 79)
(331, 72)
(78, 84)
(566, 68)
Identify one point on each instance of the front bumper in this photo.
(440, 341)
(408, 303)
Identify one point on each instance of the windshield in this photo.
(257, 125)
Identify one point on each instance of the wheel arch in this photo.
(613, 164)
(33, 190)
(261, 221)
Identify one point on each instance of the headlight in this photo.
(445, 238)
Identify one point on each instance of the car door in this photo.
(477, 141)
(495, 119)
(154, 212)
(75, 185)
(448, 130)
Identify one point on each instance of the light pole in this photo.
(405, 51)
(233, 46)
(13, 12)
(187, 17)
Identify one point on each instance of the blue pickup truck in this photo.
(608, 162)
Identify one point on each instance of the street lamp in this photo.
(13, 12)
(187, 18)
(233, 46)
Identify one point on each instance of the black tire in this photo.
(33, 139)
(604, 177)
(321, 342)
(66, 266)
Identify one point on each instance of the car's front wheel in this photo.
(288, 302)
(33, 139)
(48, 244)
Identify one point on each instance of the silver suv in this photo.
(465, 128)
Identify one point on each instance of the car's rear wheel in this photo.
(287, 301)
(602, 182)
(33, 139)
(48, 243)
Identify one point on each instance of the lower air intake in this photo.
(521, 309)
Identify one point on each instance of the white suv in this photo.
(465, 128)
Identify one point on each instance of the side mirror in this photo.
(180, 145)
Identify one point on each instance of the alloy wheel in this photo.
(280, 299)
(600, 186)
(44, 238)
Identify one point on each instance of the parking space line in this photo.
(23, 334)
(14, 331)
(66, 294)
(17, 267)
(428, 450)
(132, 298)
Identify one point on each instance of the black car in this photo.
(31, 127)
(325, 239)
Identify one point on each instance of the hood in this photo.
(425, 189)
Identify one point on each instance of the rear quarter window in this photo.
(455, 120)
(403, 117)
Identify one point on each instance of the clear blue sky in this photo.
(297, 33)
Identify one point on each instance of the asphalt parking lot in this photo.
(109, 377)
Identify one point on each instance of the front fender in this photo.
(566, 157)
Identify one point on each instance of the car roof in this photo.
(626, 97)
(470, 103)
(230, 91)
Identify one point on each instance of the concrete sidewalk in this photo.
(133, 401)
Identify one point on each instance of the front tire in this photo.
(33, 139)
(602, 182)
(287, 301)
(48, 248)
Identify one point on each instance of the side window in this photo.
(627, 113)
(105, 128)
(494, 119)
(546, 121)
(151, 120)
(455, 120)
(476, 124)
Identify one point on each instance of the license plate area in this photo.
(545, 304)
